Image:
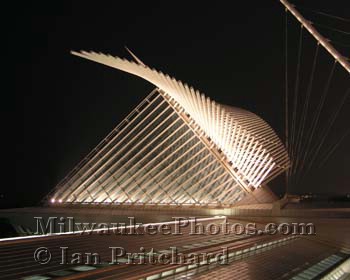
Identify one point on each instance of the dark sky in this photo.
(64, 105)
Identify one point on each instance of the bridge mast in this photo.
(322, 40)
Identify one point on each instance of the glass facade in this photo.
(155, 158)
(177, 147)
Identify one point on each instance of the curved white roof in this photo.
(252, 148)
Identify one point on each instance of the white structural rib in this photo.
(322, 40)
(254, 152)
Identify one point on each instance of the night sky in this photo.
(64, 105)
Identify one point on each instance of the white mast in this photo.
(322, 40)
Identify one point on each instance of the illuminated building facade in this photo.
(177, 147)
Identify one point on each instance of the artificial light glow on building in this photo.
(177, 147)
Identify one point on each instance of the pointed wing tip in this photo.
(127, 49)
(138, 61)
(78, 53)
(74, 52)
(82, 52)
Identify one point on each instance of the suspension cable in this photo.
(333, 149)
(340, 43)
(324, 13)
(327, 129)
(301, 134)
(332, 16)
(295, 103)
(286, 94)
(316, 118)
(331, 28)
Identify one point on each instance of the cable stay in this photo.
(332, 149)
(315, 120)
(301, 131)
(331, 28)
(286, 96)
(295, 103)
(340, 44)
(326, 131)
(323, 13)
